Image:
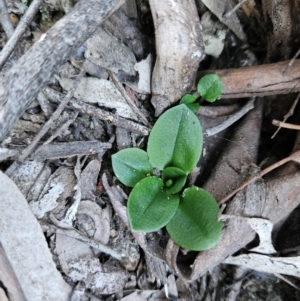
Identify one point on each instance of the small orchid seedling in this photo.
(190, 214)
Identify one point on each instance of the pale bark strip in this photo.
(24, 81)
(179, 50)
(26, 248)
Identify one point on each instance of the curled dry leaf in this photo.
(179, 49)
(89, 178)
(94, 220)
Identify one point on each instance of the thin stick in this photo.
(286, 125)
(15, 37)
(54, 116)
(5, 20)
(228, 14)
(292, 157)
(132, 105)
(289, 114)
(233, 118)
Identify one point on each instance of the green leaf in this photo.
(131, 165)
(210, 87)
(174, 179)
(149, 206)
(176, 140)
(190, 101)
(193, 106)
(195, 226)
(188, 98)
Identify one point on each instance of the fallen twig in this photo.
(259, 80)
(287, 115)
(285, 125)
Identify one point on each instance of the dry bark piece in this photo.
(30, 74)
(283, 28)
(123, 28)
(99, 278)
(179, 50)
(89, 178)
(100, 91)
(267, 264)
(25, 126)
(259, 80)
(220, 8)
(214, 33)
(26, 248)
(70, 149)
(144, 69)
(30, 177)
(106, 51)
(6, 154)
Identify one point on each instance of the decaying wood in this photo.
(26, 78)
(179, 50)
(259, 80)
